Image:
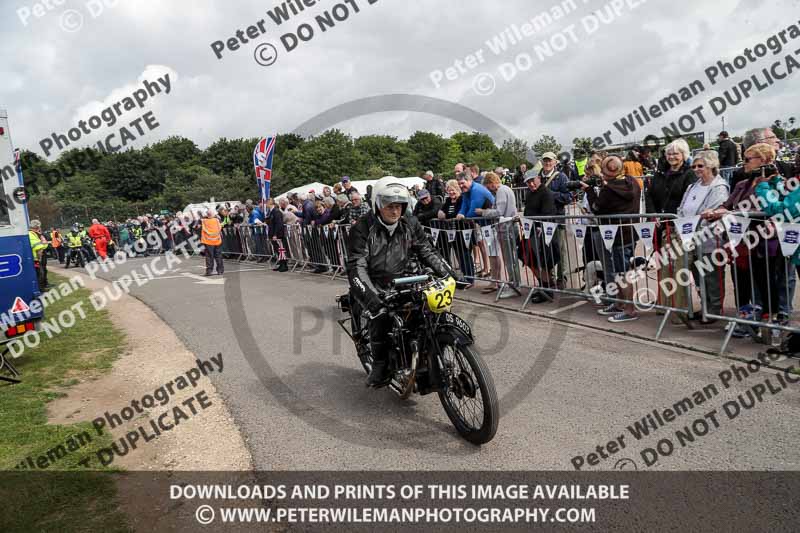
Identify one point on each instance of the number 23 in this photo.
(444, 299)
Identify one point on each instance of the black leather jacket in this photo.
(374, 258)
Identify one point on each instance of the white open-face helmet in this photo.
(389, 191)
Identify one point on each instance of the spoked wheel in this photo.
(469, 397)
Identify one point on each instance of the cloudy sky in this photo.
(84, 55)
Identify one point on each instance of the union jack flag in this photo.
(17, 162)
(262, 161)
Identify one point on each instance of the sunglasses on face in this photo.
(748, 159)
(698, 166)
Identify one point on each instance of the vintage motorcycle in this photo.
(432, 351)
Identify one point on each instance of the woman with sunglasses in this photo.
(762, 286)
(708, 192)
(781, 276)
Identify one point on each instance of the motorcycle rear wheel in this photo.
(469, 397)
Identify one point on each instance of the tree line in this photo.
(168, 175)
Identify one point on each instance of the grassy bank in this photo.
(47, 496)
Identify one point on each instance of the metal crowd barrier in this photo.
(581, 255)
(689, 282)
(763, 283)
(568, 255)
(320, 248)
(477, 245)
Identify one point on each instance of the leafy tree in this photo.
(132, 175)
(547, 143)
(428, 150)
(224, 156)
(582, 143)
(81, 188)
(175, 152)
(222, 188)
(380, 151)
(513, 153)
(287, 142)
(375, 172)
(485, 160)
(45, 208)
(474, 142)
(454, 156)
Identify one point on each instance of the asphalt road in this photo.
(295, 387)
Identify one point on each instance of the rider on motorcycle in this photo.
(383, 245)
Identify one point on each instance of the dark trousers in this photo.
(41, 272)
(377, 330)
(60, 254)
(214, 254)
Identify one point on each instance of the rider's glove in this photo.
(375, 305)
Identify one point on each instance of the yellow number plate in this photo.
(440, 295)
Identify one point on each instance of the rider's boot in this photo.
(379, 375)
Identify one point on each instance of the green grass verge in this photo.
(62, 496)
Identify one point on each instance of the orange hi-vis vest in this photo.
(212, 232)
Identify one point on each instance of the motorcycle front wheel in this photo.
(468, 397)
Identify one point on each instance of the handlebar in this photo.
(410, 280)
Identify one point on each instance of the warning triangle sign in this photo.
(20, 306)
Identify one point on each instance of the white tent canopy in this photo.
(360, 186)
(305, 189)
(196, 209)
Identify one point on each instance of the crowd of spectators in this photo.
(607, 189)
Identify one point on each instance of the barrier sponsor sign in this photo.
(609, 233)
(549, 232)
(736, 228)
(685, 228)
(789, 235)
(488, 234)
(579, 231)
(527, 226)
(646, 232)
(467, 235)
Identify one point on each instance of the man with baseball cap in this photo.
(427, 208)
(557, 183)
(348, 188)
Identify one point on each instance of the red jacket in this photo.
(97, 231)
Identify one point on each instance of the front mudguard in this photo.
(448, 328)
(462, 337)
(456, 326)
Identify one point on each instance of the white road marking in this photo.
(202, 280)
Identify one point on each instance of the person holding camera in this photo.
(619, 195)
(750, 263)
(771, 189)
